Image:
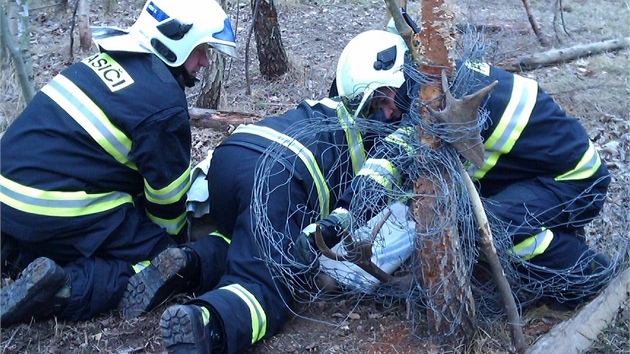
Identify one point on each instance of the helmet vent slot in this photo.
(163, 50)
(174, 29)
(385, 59)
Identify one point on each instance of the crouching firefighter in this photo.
(95, 170)
(541, 175)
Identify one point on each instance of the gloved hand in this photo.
(331, 228)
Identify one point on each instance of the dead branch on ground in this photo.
(557, 56)
(219, 120)
(578, 333)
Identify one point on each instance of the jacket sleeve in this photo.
(161, 148)
(383, 174)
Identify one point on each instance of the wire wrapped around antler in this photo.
(357, 252)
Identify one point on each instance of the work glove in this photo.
(331, 227)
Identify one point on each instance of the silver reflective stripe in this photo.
(588, 165)
(302, 152)
(172, 226)
(91, 118)
(171, 193)
(534, 245)
(57, 203)
(401, 137)
(257, 313)
(514, 119)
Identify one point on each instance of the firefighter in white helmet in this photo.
(369, 71)
(541, 174)
(95, 170)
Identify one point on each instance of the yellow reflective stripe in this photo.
(91, 118)
(514, 119)
(302, 152)
(138, 267)
(588, 165)
(353, 137)
(380, 170)
(57, 203)
(218, 234)
(171, 193)
(205, 315)
(400, 138)
(258, 316)
(172, 226)
(534, 245)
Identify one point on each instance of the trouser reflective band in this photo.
(533, 246)
(258, 316)
(138, 267)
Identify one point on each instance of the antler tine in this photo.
(360, 257)
(379, 225)
(463, 112)
(323, 248)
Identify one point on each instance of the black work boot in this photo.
(191, 329)
(34, 294)
(173, 271)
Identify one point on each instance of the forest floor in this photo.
(595, 89)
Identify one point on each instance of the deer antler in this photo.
(463, 113)
(358, 252)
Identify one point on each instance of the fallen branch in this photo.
(490, 252)
(556, 56)
(578, 333)
(219, 120)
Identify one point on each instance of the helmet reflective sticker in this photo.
(156, 12)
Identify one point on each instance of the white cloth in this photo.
(197, 204)
(393, 245)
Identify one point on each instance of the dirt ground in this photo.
(595, 89)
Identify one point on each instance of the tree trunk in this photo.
(532, 21)
(3, 45)
(440, 265)
(272, 59)
(441, 262)
(85, 35)
(210, 94)
(18, 22)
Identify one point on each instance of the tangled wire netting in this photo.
(402, 243)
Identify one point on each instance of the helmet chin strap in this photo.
(183, 77)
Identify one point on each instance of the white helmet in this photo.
(172, 29)
(371, 60)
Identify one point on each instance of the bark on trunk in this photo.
(18, 22)
(85, 35)
(272, 58)
(441, 262)
(210, 94)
